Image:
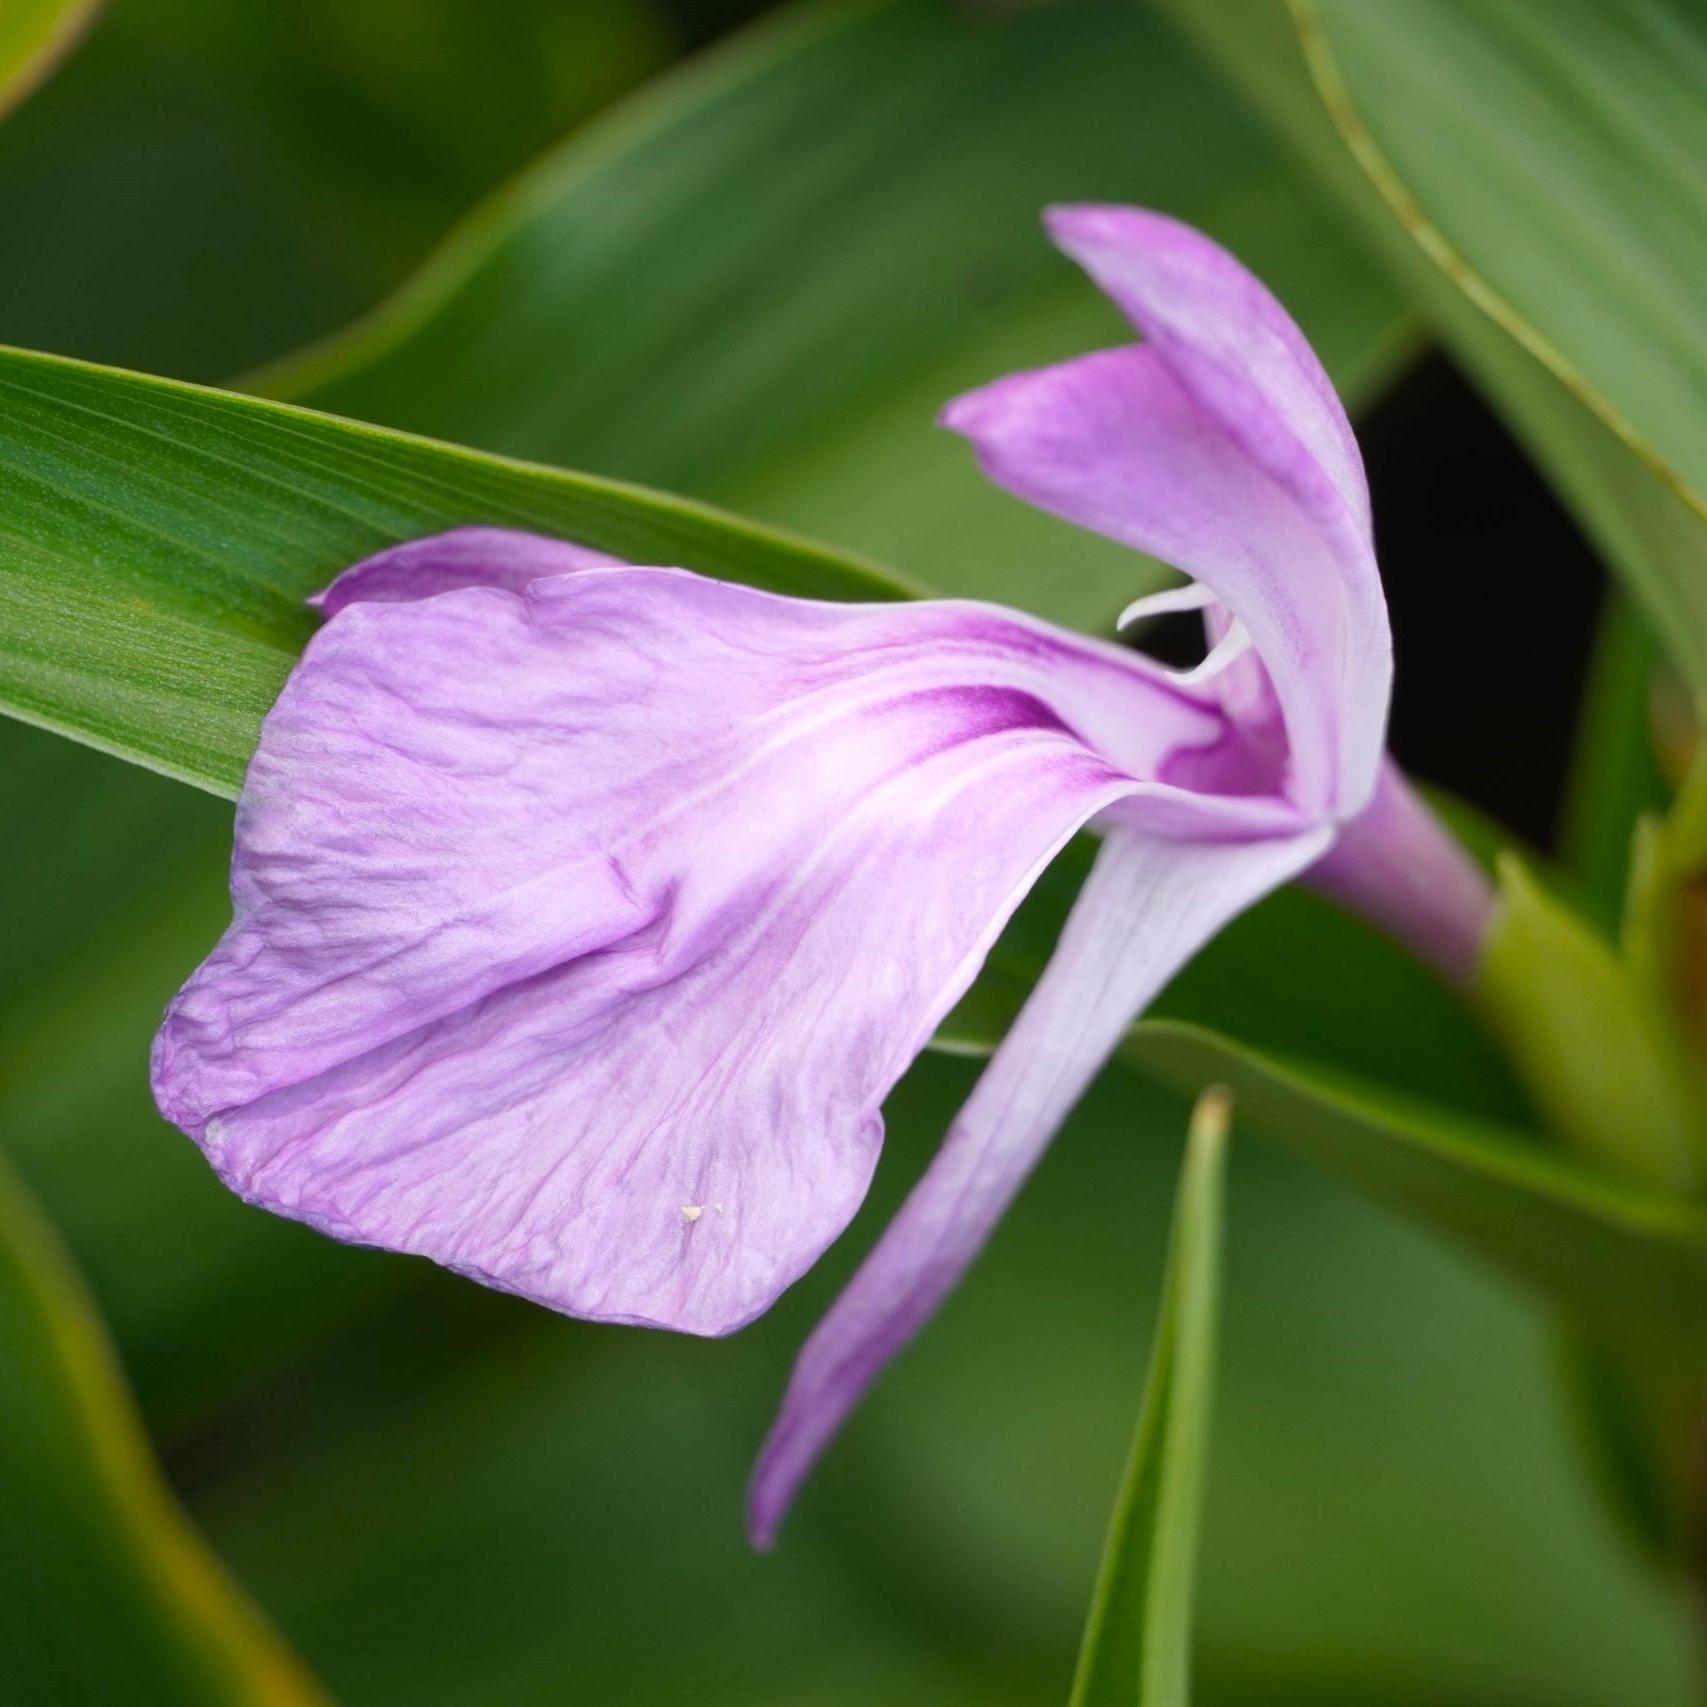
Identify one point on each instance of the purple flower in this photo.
(586, 913)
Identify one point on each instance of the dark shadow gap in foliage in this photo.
(1494, 596)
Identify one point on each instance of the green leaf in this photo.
(1137, 1646)
(1614, 1254)
(1665, 914)
(34, 35)
(152, 566)
(1533, 176)
(1615, 775)
(760, 281)
(106, 1593)
(1589, 1036)
(317, 148)
(1640, 1415)
(159, 540)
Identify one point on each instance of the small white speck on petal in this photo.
(691, 1212)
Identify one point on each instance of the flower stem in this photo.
(1397, 866)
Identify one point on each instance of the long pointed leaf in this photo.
(1137, 1648)
(1632, 1260)
(158, 541)
(106, 1593)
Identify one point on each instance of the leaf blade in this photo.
(162, 536)
(1495, 248)
(34, 36)
(1609, 1253)
(1137, 1643)
(675, 247)
(95, 1540)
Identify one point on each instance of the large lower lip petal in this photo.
(580, 932)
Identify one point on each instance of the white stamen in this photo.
(1192, 596)
(1232, 646)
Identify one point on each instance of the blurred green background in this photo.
(441, 1495)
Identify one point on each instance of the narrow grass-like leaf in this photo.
(158, 541)
(1137, 1647)
(307, 147)
(1534, 176)
(1615, 1255)
(106, 1593)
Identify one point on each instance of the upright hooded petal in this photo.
(580, 931)
(1217, 445)
(1147, 906)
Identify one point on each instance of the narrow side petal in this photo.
(579, 934)
(1147, 906)
(464, 557)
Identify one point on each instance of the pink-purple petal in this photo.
(464, 557)
(1147, 906)
(1233, 346)
(581, 931)
(1218, 446)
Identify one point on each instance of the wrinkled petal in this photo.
(1219, 446)
(1147, 906)
(464, 557)
(579, 933)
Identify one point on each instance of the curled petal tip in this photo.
(1075, 226)
(763, 1520)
